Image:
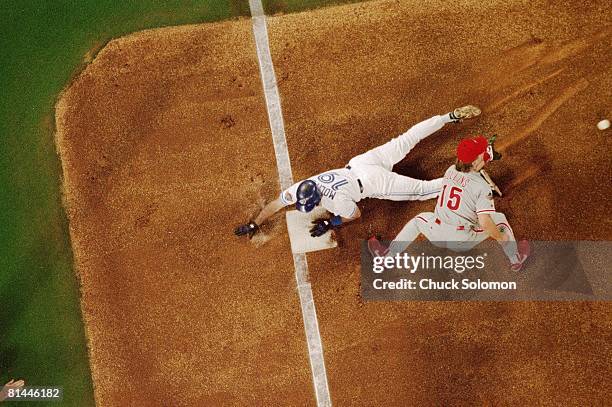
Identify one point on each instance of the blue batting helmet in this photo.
(307, 196)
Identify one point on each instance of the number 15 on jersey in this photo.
(454, 197)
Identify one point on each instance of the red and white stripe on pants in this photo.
(456, 238)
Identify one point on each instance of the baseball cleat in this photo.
(376, 248)
(523, 251)
(465, 112)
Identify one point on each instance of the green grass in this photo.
(43, 43)
(292, 6)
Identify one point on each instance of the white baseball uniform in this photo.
(454, 224)
(370, 175)
(339, 192)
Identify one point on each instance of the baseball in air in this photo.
(604, 124)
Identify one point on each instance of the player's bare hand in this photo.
(320, 226)
(247, 229)
(12, 384)
(502, 237)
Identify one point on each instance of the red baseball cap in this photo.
(470, 148)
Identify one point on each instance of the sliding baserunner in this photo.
(368, 175)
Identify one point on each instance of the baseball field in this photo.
(165, 146)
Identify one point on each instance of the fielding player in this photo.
(465, 214)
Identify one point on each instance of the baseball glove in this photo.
(496, 155)
(248, 229)
(320, 226)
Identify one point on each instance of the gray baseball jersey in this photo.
(339, 192)
(463, 197)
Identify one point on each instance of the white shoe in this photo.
(464, 112)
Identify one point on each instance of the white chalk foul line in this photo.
(275, 116)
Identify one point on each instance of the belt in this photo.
(439, 222)
(348, 167)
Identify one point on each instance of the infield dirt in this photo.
(166, 147)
